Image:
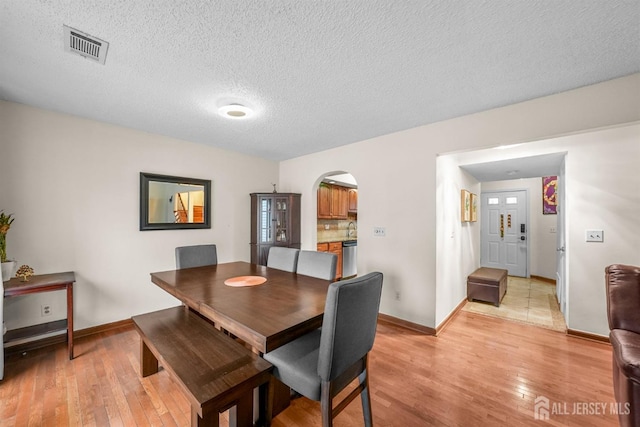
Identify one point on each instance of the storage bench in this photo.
(487, 284)
(214, 371)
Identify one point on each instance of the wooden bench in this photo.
(487, 284)
(215, 372)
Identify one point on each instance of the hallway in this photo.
(529, 301)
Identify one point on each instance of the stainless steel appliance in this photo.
(349, 249)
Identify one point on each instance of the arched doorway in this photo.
(337, 220)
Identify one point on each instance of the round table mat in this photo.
(245, 281)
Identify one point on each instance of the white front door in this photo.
(504, 231)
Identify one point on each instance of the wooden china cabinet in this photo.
(275, 221)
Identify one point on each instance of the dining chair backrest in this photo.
(196, 256)
(317, 264)
(349, 323)
(323, 362)
(283, 258)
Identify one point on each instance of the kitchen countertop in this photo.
(337, 239)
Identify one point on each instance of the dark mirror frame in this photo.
(145, 178)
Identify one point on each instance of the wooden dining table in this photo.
(265, 316)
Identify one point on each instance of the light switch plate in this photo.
(594, 235)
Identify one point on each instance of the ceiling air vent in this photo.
(85, 45)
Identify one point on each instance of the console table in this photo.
(43, 283)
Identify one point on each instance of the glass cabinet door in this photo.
(266, 220)
(281, 213)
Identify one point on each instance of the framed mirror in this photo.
(174, 202)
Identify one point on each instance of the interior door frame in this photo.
(562, 293)
(527, 219)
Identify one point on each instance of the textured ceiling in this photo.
(319, 74)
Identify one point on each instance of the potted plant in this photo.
(7, 265)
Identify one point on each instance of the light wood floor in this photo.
(480, 371)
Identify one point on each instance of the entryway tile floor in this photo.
(526, 300)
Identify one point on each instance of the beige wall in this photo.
(73, 185)
(397, 189)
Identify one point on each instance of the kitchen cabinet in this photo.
(334, 248)
(324, 201)
(275, 221)
(339, 202)
(353, 200)
(333, 201)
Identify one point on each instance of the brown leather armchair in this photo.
(623, 310)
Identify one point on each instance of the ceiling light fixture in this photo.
(504, 147)
(235, 111)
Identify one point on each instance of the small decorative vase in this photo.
(8, 267)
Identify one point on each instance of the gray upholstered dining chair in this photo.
(322, 363)
(317, 264)
(196, 256)
(283, 258)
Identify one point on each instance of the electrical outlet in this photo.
(379, 231)
(397, 295)
(552, 230)
(594, 235)
(45, 310)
